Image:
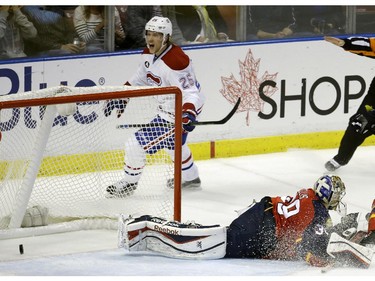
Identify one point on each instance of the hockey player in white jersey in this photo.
(163, 64)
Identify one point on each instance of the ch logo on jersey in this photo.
(153, 79)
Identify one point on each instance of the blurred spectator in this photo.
(14, 28)
(251, 30)
(201, 24)
(134, 19)
(89, 22)
(319, 20)
(273, 21)
(55, 32)
(365, 19)
(229, 14)
(177, 36)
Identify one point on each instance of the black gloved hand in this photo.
(364, 121)
(359, 123)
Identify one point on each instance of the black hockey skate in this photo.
(121, 189)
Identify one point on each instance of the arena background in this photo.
(312, 88)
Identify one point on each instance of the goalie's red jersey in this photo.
(293, 216)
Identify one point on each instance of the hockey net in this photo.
(63, 161)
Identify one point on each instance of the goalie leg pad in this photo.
(174, 239)
(131, 233)
(347, 253)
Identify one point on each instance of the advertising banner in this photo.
(285, 87)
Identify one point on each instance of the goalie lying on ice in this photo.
(283, 228)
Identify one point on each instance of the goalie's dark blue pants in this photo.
(252, 234)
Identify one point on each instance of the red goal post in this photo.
(84, 152)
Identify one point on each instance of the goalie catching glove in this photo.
(349, 247)
(120, 105)
(347, 222)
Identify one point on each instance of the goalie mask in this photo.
(161, 25)
(330, 189)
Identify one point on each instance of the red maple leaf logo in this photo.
(248, 87)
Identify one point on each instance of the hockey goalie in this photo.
(284, 228)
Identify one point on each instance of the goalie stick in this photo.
(194, 123)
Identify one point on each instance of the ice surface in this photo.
(228, 184)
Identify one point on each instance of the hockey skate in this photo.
(121, 189)
(332, 165)
(195, 183)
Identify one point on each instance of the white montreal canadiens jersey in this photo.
(172, 68)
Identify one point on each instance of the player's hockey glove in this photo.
(188, 116)
(364, 122)
(120, 105)
(359, 123)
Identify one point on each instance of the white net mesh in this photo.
(83, 154)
